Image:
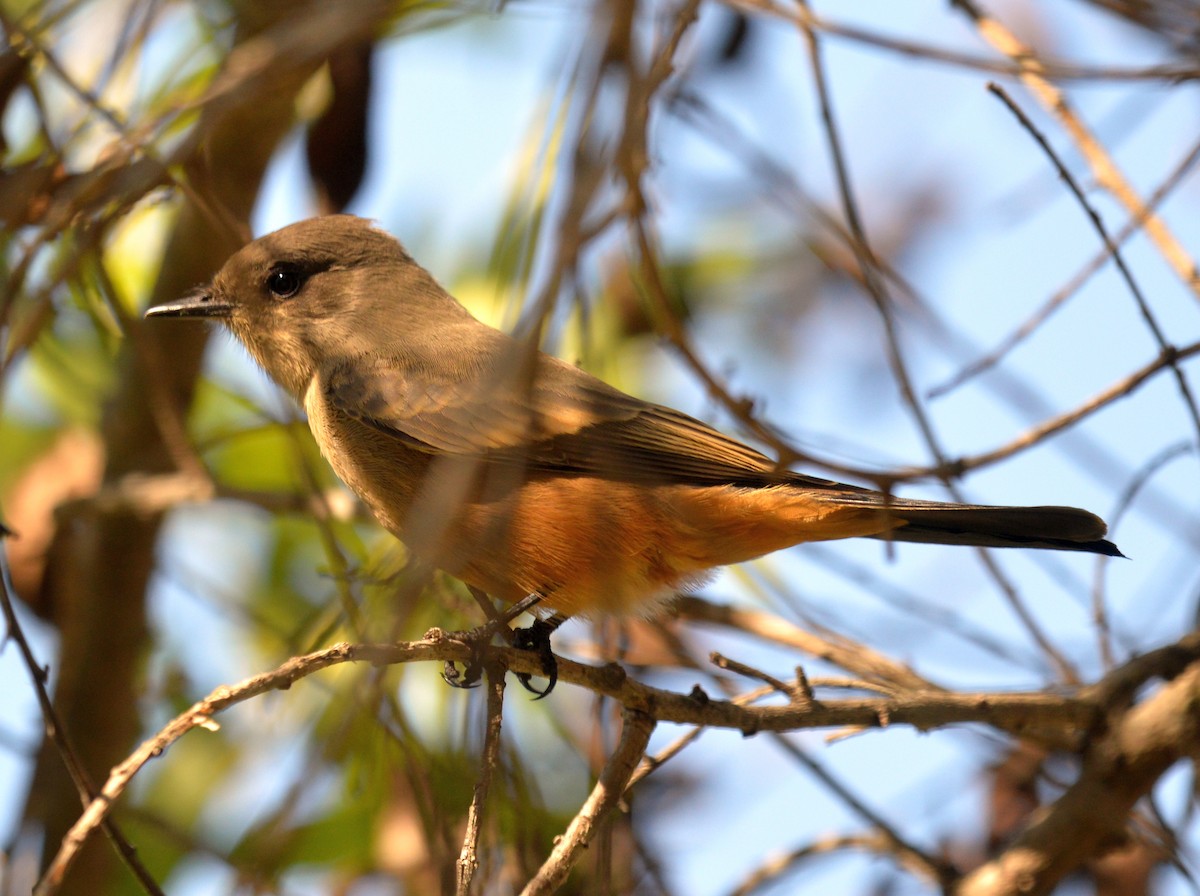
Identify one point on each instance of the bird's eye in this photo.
(284, 282)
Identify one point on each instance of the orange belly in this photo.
(592, 546)
(587, 545)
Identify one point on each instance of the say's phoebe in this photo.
(520, 474)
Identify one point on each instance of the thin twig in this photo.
(468, 859)
(1036, 434)
(789, 690)
(1110, 246)
(1034, 76)
(1071, 287)
(58, 735)
(605, 796)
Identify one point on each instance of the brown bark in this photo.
(1091, 817)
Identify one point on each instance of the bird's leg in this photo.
(537, 638)
(475, 638)
(497, 621)
(528, 602)
(478, 637)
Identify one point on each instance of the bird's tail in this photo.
(1053, 528)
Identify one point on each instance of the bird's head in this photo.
(315, 292)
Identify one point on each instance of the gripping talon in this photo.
(471, 673)
(536, 638)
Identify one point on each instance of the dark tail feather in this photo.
(1053, 528)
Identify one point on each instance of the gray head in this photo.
(317, 291)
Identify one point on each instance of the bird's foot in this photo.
(476, 640)
(479, 637)
(536, 638)
(468, 677)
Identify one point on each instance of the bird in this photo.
(529, 479)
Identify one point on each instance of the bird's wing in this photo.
(560, 420)
(570, 423)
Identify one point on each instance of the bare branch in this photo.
(1119, 769)
(489, 761)
(1164, 346)
(58, 733)
(1104, 169)
(635, 735)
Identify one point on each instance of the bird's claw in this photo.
(536, 638)
(468, 677)
(472, 670)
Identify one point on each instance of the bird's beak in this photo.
(202, 302)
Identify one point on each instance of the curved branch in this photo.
(1119, 770)
(1054, 720)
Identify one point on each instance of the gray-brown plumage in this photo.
(522, 474)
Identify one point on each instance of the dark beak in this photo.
(198, 303)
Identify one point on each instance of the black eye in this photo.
(284, 282)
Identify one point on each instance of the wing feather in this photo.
(563, 420)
